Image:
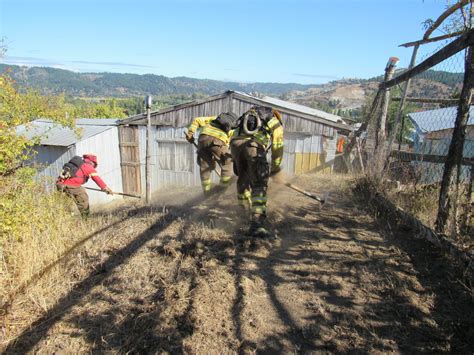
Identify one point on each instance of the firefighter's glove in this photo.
(108, 191)
(190, 138)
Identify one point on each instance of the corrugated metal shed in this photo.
(437, 120)
(53, 134)
(59, 144)
(310, 137)
(296, 118)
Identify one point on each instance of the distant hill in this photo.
(54, 81)
(351, 94)
(443, 77)
(340, 96)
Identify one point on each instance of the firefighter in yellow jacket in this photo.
(213, 146)
(258, 130)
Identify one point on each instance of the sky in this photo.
(298, 41)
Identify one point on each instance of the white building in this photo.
(58, 144)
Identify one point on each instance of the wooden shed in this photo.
(310, 139)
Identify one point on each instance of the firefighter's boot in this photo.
(257, 228)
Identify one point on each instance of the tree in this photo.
(21, 108)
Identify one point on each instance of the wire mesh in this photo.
(423, 138)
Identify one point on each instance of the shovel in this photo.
(321, 200)
(114, 193)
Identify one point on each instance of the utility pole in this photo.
(148, 102)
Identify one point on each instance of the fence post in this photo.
(364, 125)
(446, 221)
(148, 102)
(353, 141)
(380, 133)
(399, 116)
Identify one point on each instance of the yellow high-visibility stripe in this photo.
(262, 136)
(245, 195)
(225, 180)
(259, 209)
(216, 132)
(206, 184)
(206, 128)
(199, 122)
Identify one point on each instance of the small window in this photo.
(175, 156)
(165, 155)
(183, 157)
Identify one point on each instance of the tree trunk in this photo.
(380, 128)
(399, 117)
(446, 221)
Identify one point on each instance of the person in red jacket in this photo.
(76, 173)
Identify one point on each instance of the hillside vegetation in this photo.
(55, 81)
(343, 95)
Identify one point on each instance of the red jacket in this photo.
(83, 174)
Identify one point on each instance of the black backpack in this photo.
(70, 169)
(225, 121)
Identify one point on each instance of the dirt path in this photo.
(185, 279)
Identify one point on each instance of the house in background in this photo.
(432, 136)
(310, 139)
(58, 144)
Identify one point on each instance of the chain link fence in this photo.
(407, 142)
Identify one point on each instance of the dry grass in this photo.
(422, 202)
(37, 229)
(183, 279)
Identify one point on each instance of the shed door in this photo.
(130, 159)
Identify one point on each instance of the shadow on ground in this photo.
(334, 280)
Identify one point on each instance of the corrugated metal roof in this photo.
(437, 120)
(53, 134)
(294, 107)
(97, 121)
(299, 111)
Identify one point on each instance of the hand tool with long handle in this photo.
(114, 193)
(322, 200)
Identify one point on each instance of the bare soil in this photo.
(183, 277)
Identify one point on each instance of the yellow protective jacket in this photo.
(271, 132)
(204, 123)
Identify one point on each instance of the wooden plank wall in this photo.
(130, 159)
